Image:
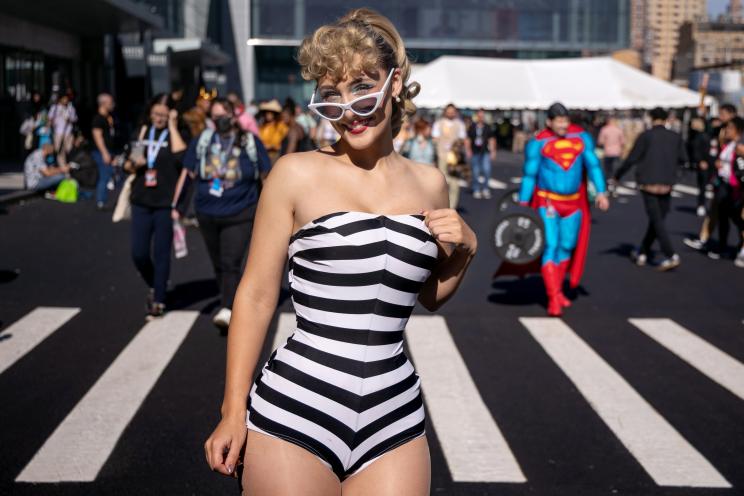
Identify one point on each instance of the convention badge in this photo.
(551, 210)
(151, 178)
(216, 188)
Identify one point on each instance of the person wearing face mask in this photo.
(228, 165)
(156, 163)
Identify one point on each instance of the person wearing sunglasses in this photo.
(338, 407)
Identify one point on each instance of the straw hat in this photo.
(271, 106)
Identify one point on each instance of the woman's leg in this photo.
(274, 467)
(162, 245)
(142, 224)
(403, 470)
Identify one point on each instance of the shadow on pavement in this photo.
(519, 291)
(186, 294)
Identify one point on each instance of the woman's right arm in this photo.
(253, 308)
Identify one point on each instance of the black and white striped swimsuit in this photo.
(341, 386)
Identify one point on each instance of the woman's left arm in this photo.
(457, 247)
(177, 144)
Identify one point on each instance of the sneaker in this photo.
(222, 319)
(714, 255)
(478, 195)
(638, 258)
(669, 263)
(487, 194)
(701, 211)
(155, 311)
(694, 243)
(739, 260)
(100, 206)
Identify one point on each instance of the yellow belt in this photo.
(555, 196)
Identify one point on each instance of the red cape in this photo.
(578, 258)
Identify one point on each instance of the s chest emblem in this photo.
(564, 151)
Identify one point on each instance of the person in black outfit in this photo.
(699, 150)
(228, 165)
(156, 163)
(656, 154)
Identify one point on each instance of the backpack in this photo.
(205, 138)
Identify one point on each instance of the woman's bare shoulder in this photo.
(297, 172)
(430, 178)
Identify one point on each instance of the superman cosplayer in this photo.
(558, 162)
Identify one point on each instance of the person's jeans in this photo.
(657, 208)
(48, 182)
(152, 230)
(105, 171)
(481, 167)
(227, 240)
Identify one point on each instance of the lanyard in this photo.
(224, 152)
(154, 149)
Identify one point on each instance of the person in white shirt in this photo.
(446, 131)
(63, 117)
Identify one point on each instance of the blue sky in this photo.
(716, 7)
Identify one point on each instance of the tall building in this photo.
(706, 45)
(661, 24)
(637, 24)
(491, 28)
(734, 11)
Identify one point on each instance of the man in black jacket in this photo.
(656, 154)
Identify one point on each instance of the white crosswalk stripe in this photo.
(472, 443)
(26, 333)
(665, 455)
(82, 443)
(714, 363)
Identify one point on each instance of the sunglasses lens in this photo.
(330, 111)
(365, 106)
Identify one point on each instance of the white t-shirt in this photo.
(447, 131)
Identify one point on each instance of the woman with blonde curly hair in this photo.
(337, 408)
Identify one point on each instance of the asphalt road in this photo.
(600, 405)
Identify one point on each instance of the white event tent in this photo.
(596, 83)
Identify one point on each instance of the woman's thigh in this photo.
(274, 467)
(403, 470)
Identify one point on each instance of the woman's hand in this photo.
(447, 226)
(224, 445)
(175, 214)
(173, 117)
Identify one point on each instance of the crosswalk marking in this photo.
(688, 190)
(714, 363)
(472, 443)
(496, 184)
(82, 443)
(667, 457)
(26, 333)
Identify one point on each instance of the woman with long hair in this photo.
(228, 165)
(337, 408)
(156, 163)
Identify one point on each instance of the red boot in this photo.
(562, 269)
(550, 278)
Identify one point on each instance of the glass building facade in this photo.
(493, 28)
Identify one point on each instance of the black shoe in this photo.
(155, 311)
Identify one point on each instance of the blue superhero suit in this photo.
(555, 172)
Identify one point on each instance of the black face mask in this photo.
(223, 124)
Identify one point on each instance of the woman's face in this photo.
(361, 132)
(159, 115)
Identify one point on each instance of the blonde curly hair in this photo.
(360, 41)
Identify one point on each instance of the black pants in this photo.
(152, 229)
(703, 178)
(729, 208)
(227, 240)
(610, 165)
(657, 208)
